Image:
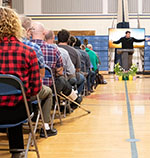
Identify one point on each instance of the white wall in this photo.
(32, 7)
(100, 26)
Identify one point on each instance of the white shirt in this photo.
(68, 65)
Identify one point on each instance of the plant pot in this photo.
(130, 77)
(120, 78)
(116, 78)
(125, 78)
(134, 78)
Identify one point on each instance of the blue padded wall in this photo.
(100, 45)
(147, 57)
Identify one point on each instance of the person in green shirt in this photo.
(93, 57)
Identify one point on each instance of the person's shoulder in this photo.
(62, 50)
(75, 51)
(78, 51)
(87, 50)
(25, 50)
(71, 48)
(51, 46)
(25, 46)
(82, 51)
(93, 52)
(124, 37)
(32, 44)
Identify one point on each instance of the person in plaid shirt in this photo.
(53, 59)
(19, 60)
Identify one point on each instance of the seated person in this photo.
(95, 61)
(69, 69)
(20, 60)
(45, 93)
(82, 47)
(63, 37)
(85, 42)
(85, 66)
(53, 59)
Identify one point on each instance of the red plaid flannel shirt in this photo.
(19, 60)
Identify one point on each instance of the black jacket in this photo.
(127, 43)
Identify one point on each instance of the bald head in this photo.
(50, 37)
(38, 30)
(90, 46)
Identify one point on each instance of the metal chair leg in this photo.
(75, 103)
(31, 127)
(32, 135)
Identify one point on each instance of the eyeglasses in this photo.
(31, 29)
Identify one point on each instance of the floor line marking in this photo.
(131, 129)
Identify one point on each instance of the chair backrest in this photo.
(12, 85)
(48, 72)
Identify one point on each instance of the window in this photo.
(133, 6)
(146, 6)
(71, 6)
(112, 6)
(18, 5)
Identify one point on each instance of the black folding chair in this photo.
(12, 85)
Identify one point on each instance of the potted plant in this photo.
(126, 75)
(133, 71)
(118, 71)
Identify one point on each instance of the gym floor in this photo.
(118, 126)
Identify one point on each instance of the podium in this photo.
(125, 60)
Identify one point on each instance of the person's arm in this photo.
(42, 73)
(35, 82)
(138, 40)
(97, 60)
(88, 63)
(41, 62)
(78, 62)
(59, 71)
(70, 66)
(59, 64)
(117, 42)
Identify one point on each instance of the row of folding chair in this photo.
(7, 88)
(11, 85)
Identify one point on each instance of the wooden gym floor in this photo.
(118, 127)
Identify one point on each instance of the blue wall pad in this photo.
(100, 45)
